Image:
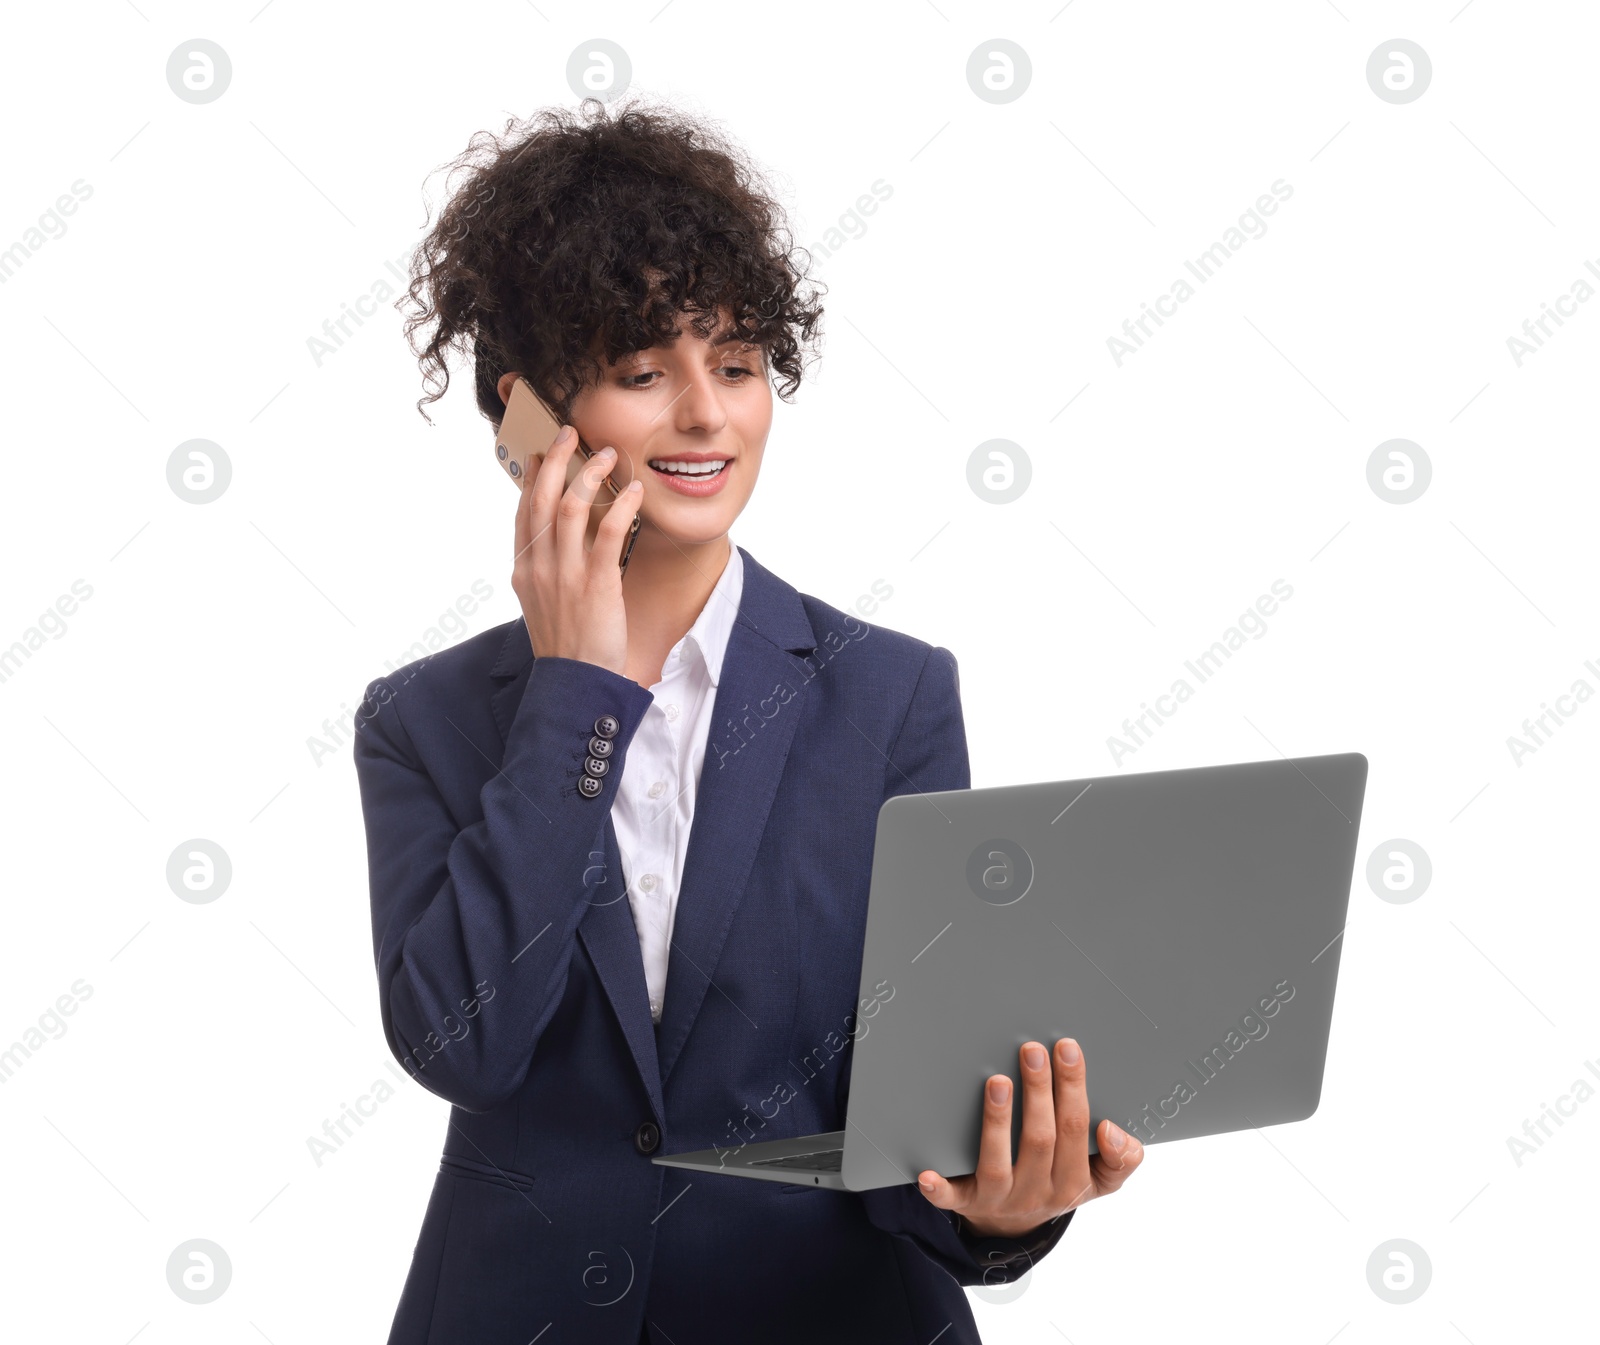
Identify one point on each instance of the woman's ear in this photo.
(504, 386)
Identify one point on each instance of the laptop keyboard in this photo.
(824, 1160)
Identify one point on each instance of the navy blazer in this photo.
(511, 984)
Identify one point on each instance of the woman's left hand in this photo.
(1053, 1171)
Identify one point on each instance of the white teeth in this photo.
(691, 468)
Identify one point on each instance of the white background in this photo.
(1229, 452)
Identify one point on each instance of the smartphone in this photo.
(529, 427)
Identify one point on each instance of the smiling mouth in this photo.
(690, 471)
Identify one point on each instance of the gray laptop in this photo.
(1183, 925)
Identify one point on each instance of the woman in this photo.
(555, 957)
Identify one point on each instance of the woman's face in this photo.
(673, 413)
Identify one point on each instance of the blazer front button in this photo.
(647, 1138)
(588, 786)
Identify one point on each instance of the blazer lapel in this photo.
(760, 699)
(608, 933)
(748, 744)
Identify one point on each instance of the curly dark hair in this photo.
(585, 234)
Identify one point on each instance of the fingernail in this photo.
(566, 433)
(926, 1185)
(1033, 1056)
(999, 1090)
(1070, 1054)
(606, 453)
(1116, 1138)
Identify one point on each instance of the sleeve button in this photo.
(607, 726)
(600, 747)
(588, 786)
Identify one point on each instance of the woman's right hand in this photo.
(571, 593)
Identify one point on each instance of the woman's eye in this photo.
(739, 369)
(630, 380)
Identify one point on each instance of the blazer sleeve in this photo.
(473, 928)
(930, 753)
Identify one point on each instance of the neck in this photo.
(667, 585)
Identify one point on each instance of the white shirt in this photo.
(654, 805)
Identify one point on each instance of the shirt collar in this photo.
(711, 629)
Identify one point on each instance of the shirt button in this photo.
(647, 1138)
(648, 882)
(658, 789)
(672, 714)
(655, 1008)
